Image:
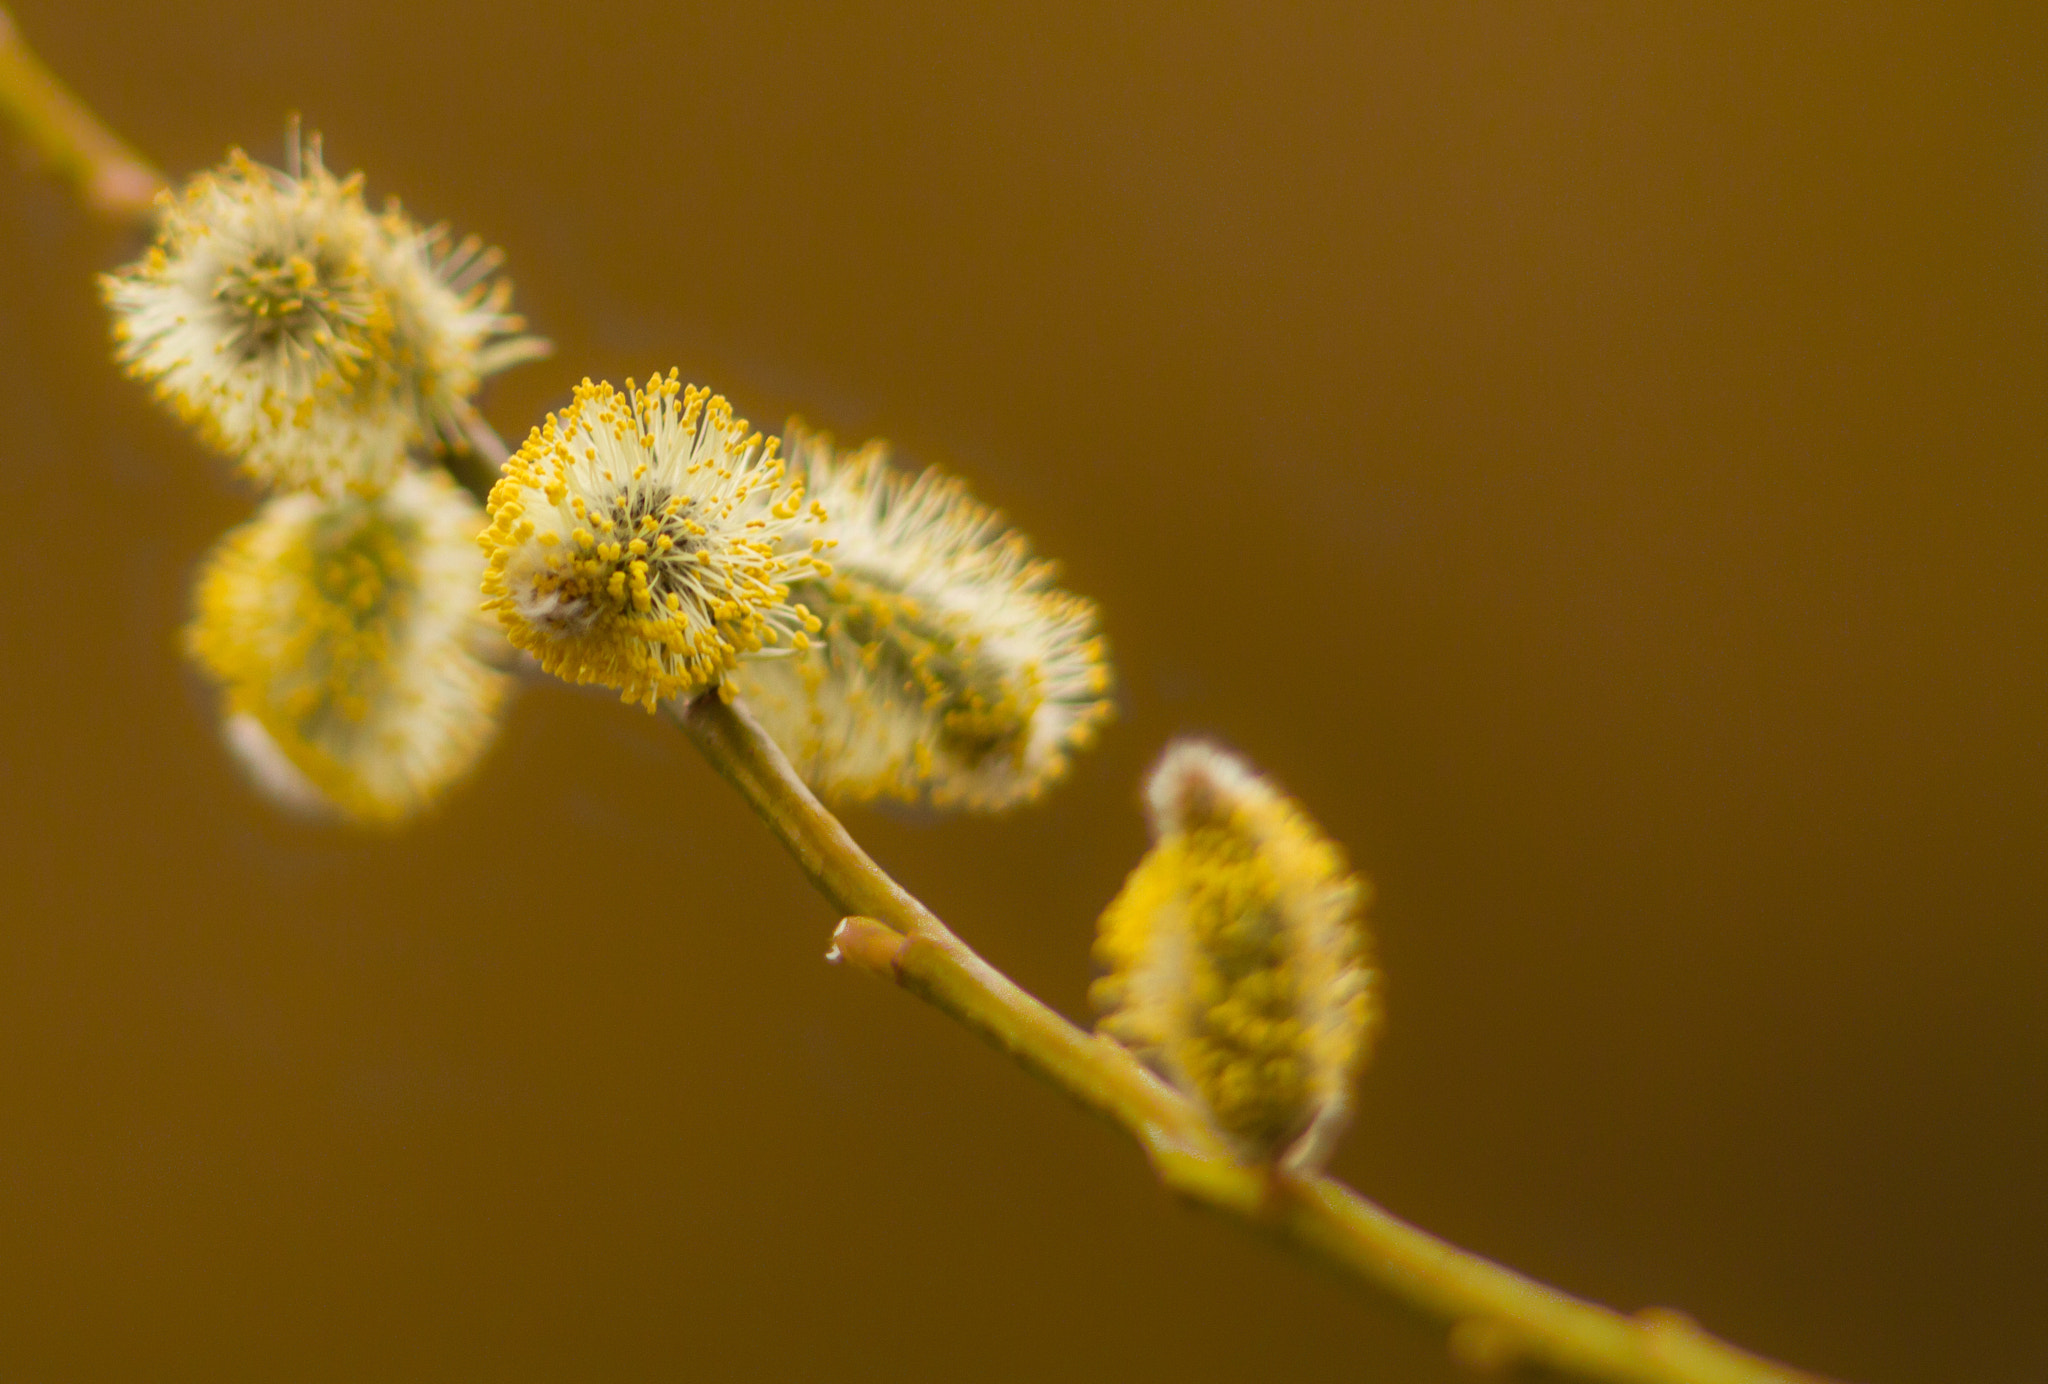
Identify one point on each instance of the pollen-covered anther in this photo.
(1235, 959)
(638, 540)
(950, 669)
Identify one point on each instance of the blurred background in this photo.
(1592, 454)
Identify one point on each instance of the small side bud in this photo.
(866, 945)
(1236, 963)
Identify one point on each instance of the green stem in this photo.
(113, 179)
(1496, 1316)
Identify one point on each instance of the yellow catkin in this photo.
(303, 334)
(646, 540)
(950, 670)
(345, 635)
(1235, 959)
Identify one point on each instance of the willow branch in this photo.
(1094, 1072)
(1496, 1317)
(114, 181)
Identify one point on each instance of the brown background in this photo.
(1594, 457)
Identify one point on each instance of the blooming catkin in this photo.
(951, 670)
(1235, 959)
(647, 541)
(345, 633)
(303, 334)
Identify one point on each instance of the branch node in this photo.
(871, 946)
